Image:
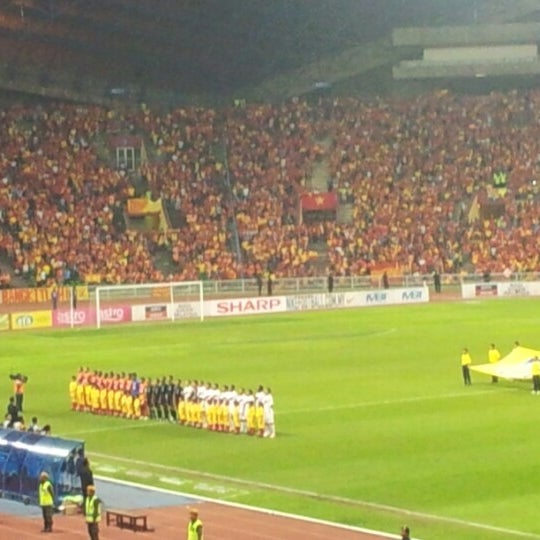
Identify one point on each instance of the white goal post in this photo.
(149, 302)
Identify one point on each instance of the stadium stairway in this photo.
(344, 213)
(7, 268)
(101, 147)
(320, 174)
(163, 261)
(322, 262)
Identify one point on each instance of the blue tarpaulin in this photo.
(23, 456)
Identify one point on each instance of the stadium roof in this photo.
(212, 45)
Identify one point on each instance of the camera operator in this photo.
(19, 382)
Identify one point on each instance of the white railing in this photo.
(248, 287)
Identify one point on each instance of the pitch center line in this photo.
(381, 402)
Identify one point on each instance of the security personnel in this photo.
(466, 362)
(494, 356)
(535, 373)
(92, 512)
(195, 526)
(46, 501)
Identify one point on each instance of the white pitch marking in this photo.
(322, 497)
(381, 402)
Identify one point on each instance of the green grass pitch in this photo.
(375, 427)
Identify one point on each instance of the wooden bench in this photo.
(127, 520)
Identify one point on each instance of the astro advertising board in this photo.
(87, 316)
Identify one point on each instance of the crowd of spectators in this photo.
(412, 170)
(59, 201)
(231, 180)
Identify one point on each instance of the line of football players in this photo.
(191, 403)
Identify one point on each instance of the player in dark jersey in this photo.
(177, 397)
(151, 398)
(163, 413)
(171, 406)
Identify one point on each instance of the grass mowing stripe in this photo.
(320, 496)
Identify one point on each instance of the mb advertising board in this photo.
(28, 320)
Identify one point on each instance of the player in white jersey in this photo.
(269, 423)
(202, 391)
(188, 391)
(260, 394)
(245, 399)
(233, 403)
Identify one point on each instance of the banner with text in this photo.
(41, 295)
(504, 289)
(87, 316)
(27, 320)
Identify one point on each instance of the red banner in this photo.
(319, 201)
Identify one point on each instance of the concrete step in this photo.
(345, 213)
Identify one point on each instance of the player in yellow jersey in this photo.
(137, 408)
(211, 415)
(73, 393)
(94, 399)
(127, 405)
(251, 418)
(110, 394)
(259, 418)
(223, 415)
(181, 411)
(189, 413)
(103, 395)
(197, 413)
(235, 417)
(118, 395)
(81, 403)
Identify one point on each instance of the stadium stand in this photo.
(418, 173)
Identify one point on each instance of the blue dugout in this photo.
(23, 456)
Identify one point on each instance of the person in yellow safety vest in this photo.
(494, 356)
(535, 372)
(195, 526)
(466, 362)
(46, 501)
(92, 512)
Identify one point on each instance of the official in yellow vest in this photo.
(466, 361)
(195, 526)
(92, 512)
(535, 372)
(46, 501)
(494, 356)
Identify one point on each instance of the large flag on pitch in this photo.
(515, 365)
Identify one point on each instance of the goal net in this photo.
(149, 302)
